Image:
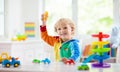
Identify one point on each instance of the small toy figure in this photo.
(19, 37)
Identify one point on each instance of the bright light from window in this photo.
(95, 16)
(57, 9)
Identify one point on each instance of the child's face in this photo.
(64, 31)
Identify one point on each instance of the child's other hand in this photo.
(67, 61)
(64, 60)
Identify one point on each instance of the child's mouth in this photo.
(63, 34)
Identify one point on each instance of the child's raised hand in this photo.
(44, 17)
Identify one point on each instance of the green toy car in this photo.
(36, 61)
(83, 67)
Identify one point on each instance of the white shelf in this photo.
(26, 50)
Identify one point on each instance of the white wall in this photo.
(30, 13)
(13, 16)
(20, 11)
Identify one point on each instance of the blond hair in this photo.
(65, 21)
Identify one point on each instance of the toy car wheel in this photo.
(38, 61)
(79, 68)
(16, 65)
(7, 65)
(87, 68)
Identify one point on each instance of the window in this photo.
(1, 17)
(95, 16)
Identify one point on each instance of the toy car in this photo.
(36, 61)
(70, 62)
(83, 67)
(8, 63)
(46, 60)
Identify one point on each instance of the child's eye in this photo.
(65, 28)
(59, 29)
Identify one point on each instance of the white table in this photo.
(58, 67)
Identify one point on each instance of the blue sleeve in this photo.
(75, 48)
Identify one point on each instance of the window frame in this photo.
(2, 13)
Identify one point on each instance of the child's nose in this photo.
(62, 30)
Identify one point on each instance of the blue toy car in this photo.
(46, 60)
(8, 63)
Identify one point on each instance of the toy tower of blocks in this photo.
(100, 50)
(100, 53)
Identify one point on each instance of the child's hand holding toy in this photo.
(64, 60)
(67, 61)
(44, 17)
